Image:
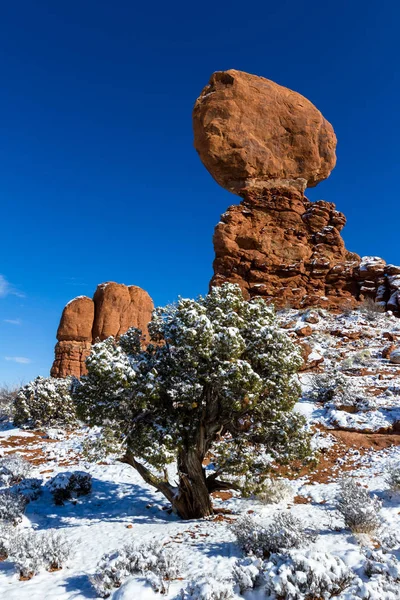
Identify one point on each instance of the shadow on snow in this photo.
(107, 502)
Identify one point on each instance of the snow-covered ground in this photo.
(121, 508)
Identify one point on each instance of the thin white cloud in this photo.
(6, 289)
(13, 321)
(18, 359)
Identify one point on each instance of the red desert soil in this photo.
(334, 461)
(32, 448)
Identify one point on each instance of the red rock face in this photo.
(267, 143)
(277, 245)
(77, 320)
(70, 358)
(119, 307)
(114, 309)
(251, 132)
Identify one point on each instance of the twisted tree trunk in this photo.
(193, 500)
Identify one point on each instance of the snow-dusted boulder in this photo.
(395, 357)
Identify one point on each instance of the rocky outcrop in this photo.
(114, 309)
(267, 143)
(119, 307)
(277, 245)
(74, 337)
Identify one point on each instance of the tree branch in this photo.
(157, 482)
(217, 485)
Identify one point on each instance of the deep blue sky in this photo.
(99, 178)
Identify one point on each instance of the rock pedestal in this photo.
(277, 245)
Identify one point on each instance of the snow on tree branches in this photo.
(218, 380)
(44, 402)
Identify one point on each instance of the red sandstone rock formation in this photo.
(250, 131)
(115, 307)
(74, 337)
(278, 245)
(267, 143)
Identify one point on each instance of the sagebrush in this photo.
(158, 563)
(12, 506)
(7, 398)
(358, 508)
(274, 491)
(32, 552)
(393, 477)
(305, 575)
(209, 588)
(371, 309)
(261, 539)
(332, 386)
(13, 469)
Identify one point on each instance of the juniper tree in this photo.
(45, 402)
(217, 382)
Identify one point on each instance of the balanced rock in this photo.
(114, 309)
(267, 143)
(251, 132)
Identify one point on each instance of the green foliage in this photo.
(70, 485)
(44, 402)
(104, 394)
(218, 378)
(7, 398)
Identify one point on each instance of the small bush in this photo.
(388, 538)
(12, 506)
(306, 575)
(13, 469)
(260, 539)
(393, 477)
(382, 563)
(209, 588)
(332, 386)
(152, 560)
(45, 402)
(376, 588)
(275, 491)
(6, 534)
(359, 510)
(29, 488)
(246, 573)
(371, 309)
(33, 552)
(357, 359)
(68, 486)
(7, 398)
(383, 572)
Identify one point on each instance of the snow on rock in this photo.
(395, 357)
